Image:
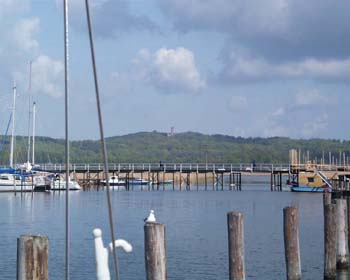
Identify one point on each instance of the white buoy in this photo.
(151, 217)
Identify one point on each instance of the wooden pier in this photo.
(183, 176)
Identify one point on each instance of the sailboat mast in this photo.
(33, 133)
(30, 109)
(13, 124)
(66, 94)
(29, 125)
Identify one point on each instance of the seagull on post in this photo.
(151, 217)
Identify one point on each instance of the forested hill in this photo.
(182, 147)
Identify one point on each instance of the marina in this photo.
(260, 189)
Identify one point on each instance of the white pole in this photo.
(13, 124)
(33, 133)
(29, 126)
(30, 109)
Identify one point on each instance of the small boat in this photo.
(138, 181)
(114, 181)
(59, 184)
(310, 189)
(165, 182)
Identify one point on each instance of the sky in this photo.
(258, 68)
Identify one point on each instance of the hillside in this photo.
(182, 147)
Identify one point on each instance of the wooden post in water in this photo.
(235, 227)
(32, 257)
(205, 180)
(348, 208)
(330, 242)
(240, 181)
(173, 180)
(155, 251)
(272, 182)
(342, 234)
(327, 199)
(291, 243)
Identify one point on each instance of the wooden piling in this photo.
(32, 257)
(155, 251)
(330, 242)
(240, 181)
(235, 227)
(272, 182)
(342, 234)
(348, 208)
(291, 243)
(327, 199)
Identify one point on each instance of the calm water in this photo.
(195, 225)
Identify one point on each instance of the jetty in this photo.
(213, 176)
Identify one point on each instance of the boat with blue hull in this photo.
(310, 189)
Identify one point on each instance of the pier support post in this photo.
(291, 243)
(155, 251)
(32, 257)
(330, 242)
(348, 208)
(272, 182)
(235, 227)
(327, 199)
(342, 234)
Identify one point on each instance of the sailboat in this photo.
(21, 178)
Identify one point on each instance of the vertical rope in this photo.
(103, 142)
(66, 80)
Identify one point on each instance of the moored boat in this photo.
(138, 181)
(59, 184)
(114, 181)
(14, 183)
(310, 189)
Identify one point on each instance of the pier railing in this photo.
(168, 167)
(191, 167)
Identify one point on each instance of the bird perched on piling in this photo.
(151, 217)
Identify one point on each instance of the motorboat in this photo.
(114, 181)
(59, 184)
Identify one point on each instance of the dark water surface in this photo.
(195, 226)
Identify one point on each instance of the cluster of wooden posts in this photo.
(32, 252)
(336, 250)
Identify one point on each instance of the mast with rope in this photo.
(13, 124)
(102, 139)
(66, 94)
(30, 110)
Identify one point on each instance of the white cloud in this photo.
(243, 68)
(47, 75)
(313, 97)
(170, 70)
(273, 29)
(111, 18)
(22, 34)
(304, 117)
(13, 6)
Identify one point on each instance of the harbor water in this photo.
(196, 230)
